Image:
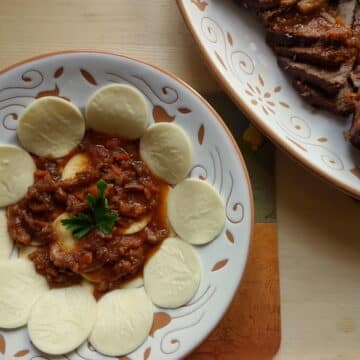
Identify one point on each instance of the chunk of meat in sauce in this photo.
(132, 192)
(55, 275)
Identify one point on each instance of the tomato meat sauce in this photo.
(107, 260)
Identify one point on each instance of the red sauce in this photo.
(133, 192)
(310, 25)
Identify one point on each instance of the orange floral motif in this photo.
(160, 114)
(230, 236)
(200, 4)
(220, 264)
(161, 319)
(51, 92)
(147, 353)
(58, 72)
(201, 134)
(88, 77)
(18, 354)
(322, 139)
(21, 353)
(230, 39)
(2, 344)
(184, 110)
(261, 97)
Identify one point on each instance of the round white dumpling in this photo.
(172, 275)
(77, 164)
(20, 287)
(196, 211)
(123, 322)
(118, 109)
(64, 244)
(16, 174)
(133, 283)
(6, 244)
(62, 319)
(63, 237)
(137, 225)
(166, 150)
(51, 127)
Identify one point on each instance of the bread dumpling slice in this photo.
(77, 164)
(134, 283)
(166, 150)
(20, 288)
(62, 236)
(62, 319)
(123, 322)
(172, 275)
(196, 211)
(6, 244)
(65, 245)
(137, 225)
(51, 127)
(16, 174)
(24, 252)
(118, 109)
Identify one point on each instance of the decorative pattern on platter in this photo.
(234, 44)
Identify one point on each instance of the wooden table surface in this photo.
(318, 233)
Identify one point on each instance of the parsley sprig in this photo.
(101, 218)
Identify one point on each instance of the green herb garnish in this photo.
(101, 218)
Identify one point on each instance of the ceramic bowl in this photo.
(217, 159)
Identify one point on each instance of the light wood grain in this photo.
(250, 330)
(150, 30)
(318, 226)
(320, 267)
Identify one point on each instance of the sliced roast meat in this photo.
(317, 43)
(355, 78)
(338, 105)
(354, 40)
(328, 80)
(318, 54)
(259, 4)
(292, 28)
(309, 6)
(356, 22)
(353, 135)
(267, 16)
(304, 6)
(287, 3)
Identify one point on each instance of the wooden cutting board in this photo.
(251, 328)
